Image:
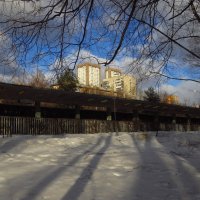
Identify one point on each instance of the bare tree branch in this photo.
(175, 78)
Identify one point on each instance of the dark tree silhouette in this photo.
(68, 81)
(151, 95)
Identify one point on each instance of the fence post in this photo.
(37, 110)
(174, 122)
(109, 114)
(188, 123)
(77, 112)
(157, 123)
(136, 119)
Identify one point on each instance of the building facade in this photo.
(112, 72)
(114, 84)
(124, 84)
(172, 99)
(89, 74)
(129, 84)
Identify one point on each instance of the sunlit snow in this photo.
(118, 166)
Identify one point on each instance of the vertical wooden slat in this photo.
(54, 127)
(4, 124)
(30, 131)
(48, 124)
(32, 126)
(51, 127)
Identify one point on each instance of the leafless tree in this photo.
(38, 80)
(154, 33)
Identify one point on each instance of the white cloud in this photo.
(181, 27)
(188, 92)
(21, 9)
(8, 64)
(69, 61)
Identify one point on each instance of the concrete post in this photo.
(157, 123)
(109, 114)
(188, 123)
(38, 114)
(174, 122)
(136, 119)
(77, 112)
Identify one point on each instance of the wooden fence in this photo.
(179, 127)
(52, 126)
(149, 126)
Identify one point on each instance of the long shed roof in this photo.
(21, 92)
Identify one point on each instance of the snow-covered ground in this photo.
(125, 166)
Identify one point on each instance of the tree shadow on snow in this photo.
(13, 143)
(163, 176)
(54, 174)
(76, 190)
(187, 168)
(154, 179)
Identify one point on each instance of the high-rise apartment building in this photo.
(124, 83)
(89, 74)
(112, 72)
(129, 84)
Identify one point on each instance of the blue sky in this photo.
(102, 38)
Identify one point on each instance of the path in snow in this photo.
(101, 167)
